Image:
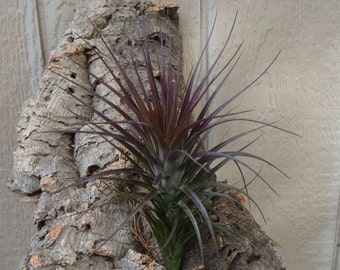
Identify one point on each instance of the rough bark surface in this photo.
(71, 224)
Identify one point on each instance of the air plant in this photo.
(163, 132)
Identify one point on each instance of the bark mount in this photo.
(75, 221)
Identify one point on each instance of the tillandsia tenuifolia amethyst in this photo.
(163, 130)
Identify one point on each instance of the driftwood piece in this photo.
(76, 221)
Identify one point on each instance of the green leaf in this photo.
(194, 223)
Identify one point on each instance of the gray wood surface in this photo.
(21, 65)
(16, 73)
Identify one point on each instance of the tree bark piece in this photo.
(251, 249)
(76, 221)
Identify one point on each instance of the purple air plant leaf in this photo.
(164, 138)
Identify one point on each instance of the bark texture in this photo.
(73, 223)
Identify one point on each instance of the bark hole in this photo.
(70, 90)
(91, 169)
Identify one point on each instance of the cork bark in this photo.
(73, 223)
